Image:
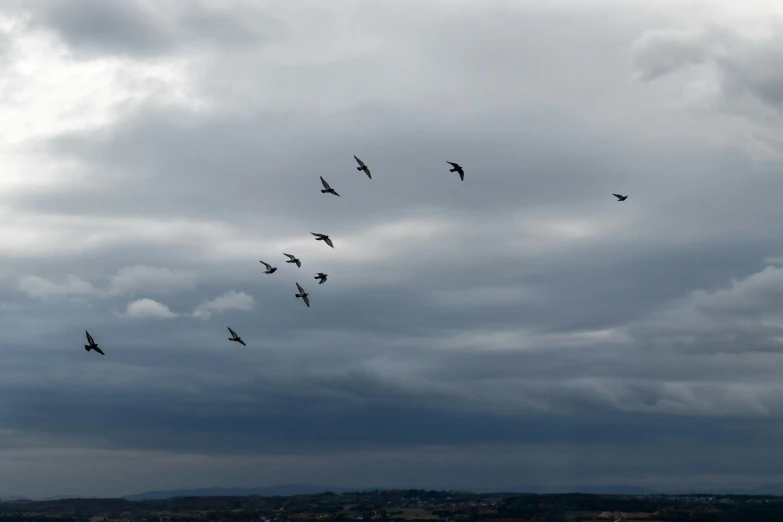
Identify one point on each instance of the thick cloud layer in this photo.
(519, 327)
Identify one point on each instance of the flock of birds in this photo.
(320, 276)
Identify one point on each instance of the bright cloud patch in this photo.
(148, 308)
(231, 300)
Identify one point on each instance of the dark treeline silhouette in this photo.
(408, 505)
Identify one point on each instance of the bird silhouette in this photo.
(363, 167)
(457, 168)
(322, 278)
(303, 295)
(235, 337)
(92, 345)
(619, 197)
(269, 268)
(292, 259)
(324, 238)
(327, 188)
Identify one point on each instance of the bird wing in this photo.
(618, 196)
(89, 337)
(299, 287)
(317, 235)
(267, 265)
(328, 241)
(455, 165)
(232, 331)
(461, 175)
(240, 341)
(298, 264)
(360, 162)
(324, 183)
(289, 255)
(306, 300)
(367, 170)
(98, 350)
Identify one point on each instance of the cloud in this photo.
(129, 27)
(148, 308)
(46, 290)
(231, 300)
(127, 280)
(742, 317)
(142, 278)
(728, 66)
(661, 52)
(142, 30)
(742, 62)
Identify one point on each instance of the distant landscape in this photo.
(312, 489)
(308, 489)
(286, 504)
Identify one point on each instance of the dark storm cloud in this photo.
(141, 29)
(283, 424)
(112, 27)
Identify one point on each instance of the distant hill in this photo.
(770, 489)
(308, 489)
(593, 490)
(270, 491)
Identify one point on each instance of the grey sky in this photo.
(518, 327)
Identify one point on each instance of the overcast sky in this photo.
(520, 327)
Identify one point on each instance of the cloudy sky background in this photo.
(520, 327)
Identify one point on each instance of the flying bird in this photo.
(292, 259)
(92, 345)
(363, 167)
(327, 188)
(457, 168)
(324, 238)
(235, 337)
(269, 268)
(619, 197)
(322, 278)
(303, 295)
